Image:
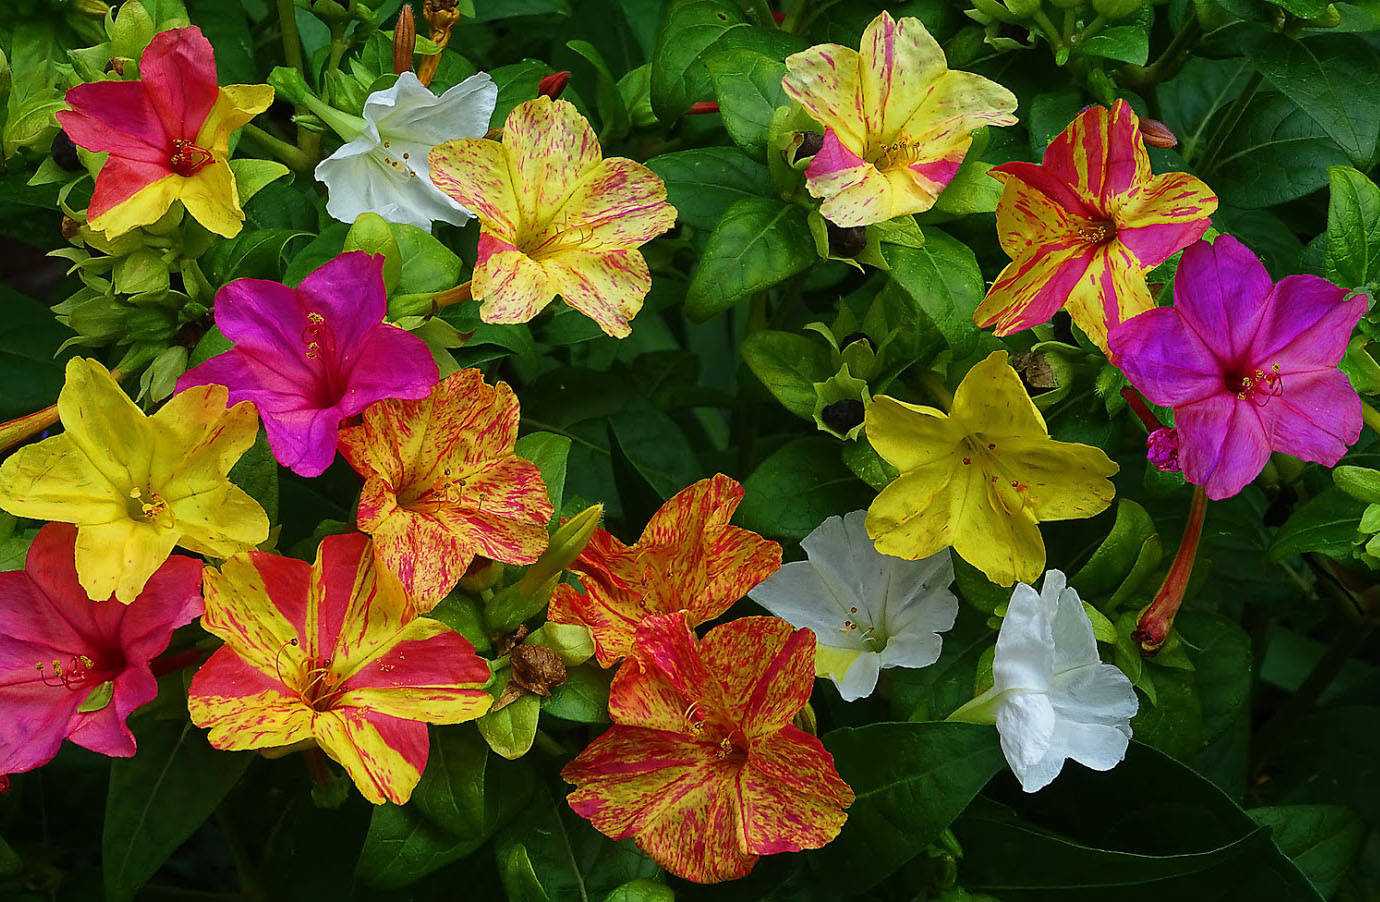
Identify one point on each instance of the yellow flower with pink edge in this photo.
(557, 218)
(981, 477)
(897, 120)
(136, 486)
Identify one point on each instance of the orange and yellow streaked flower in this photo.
(442, 484)
(897, 121)
(702, 766)
(136, 486)
(557, 217)
(688, 559)
(328, 653)
(167, 135)
(1083, 227)
(981, 477)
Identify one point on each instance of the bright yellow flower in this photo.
(980, 477)
(135, 485)
(897, 121)
(557, 218)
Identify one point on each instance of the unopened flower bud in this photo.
(65, 153)
(703, 107)
(131, 31)
(1157, 134)
(553, 84)
(404, 40)
(537, 669)
(482, 574)
(1152, 629)
(531, 594)
(1162, 449)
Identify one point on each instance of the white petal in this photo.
(1094, 745)
(861, 678)
(920, 650)
(1025, 645)
(846, 563)
(1026, 722)
(365, 184)
(796, 594)
(1074, 643)
(1095, 693)
(410, 113)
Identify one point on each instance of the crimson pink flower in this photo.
(1249, 366)
(74, 668)
(312, 356)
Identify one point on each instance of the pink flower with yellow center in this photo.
(167, 135)
(442, 484)
(897, 121)
(557, 217)
(1083, 227)
(688, 559)
(328, 653)
(702, 766)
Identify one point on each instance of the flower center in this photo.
(188, 159)
(896, 154)
(318, 343)
(74, 675)
(1004, 491)
(147, 506)
(1257, 386)
(1097, 232)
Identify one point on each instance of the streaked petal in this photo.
(512, 286)
(551, 147)
(607, 286)
(766, 669)
(1169, 213)
(1035, 286)
(383, 755)
(475, 174)
(824, 79)
(430, 673)
(243, 708)
(619, 205)
(792, 797)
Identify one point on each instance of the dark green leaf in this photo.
(1353, 229)
(1325, 523)
(759, 243)
(1335, 78)
(1323, 840)
(1276, 154)
(788, 365)
(944, 282)
(703, 183)
(748, 86)
(795, 489)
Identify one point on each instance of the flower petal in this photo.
(513, 287)
(54, 480)
(1028, 726)
(619, 205)
(899, 63)
(825, 80)
(383, 755)
(1317, 418)
(1165, 358)
(1172, 211)
(117, 558)
(1223, 445)
(1112, 292)
(608, 286)
(792, 797)
(104, 424)
(348, 291)
(178, 69)
(256, 603)
(992, 401)
(1034, 286)
(1059, 480)
(212, 199)
(117, 117)
(429, 673)
(765, 668)
(475, 173)
(1307, 323)
(1222, 292)
(1100, 155)
(243, 708)
(551, 148)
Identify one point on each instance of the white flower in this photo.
(868, 610)
(1052, 697)
(385, 171)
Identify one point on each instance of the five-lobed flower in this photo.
(136, 486)
(868, 610)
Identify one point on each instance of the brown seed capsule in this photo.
(404, 41)
(70, 227)
(1157, 134)
(537, 669)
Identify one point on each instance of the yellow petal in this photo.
(824, 80)
(618, 205)
(382, 772)
(54, 480)
(1115, 280)
(908, 436)
(213, 199)
(914, 516)
(1060, 480)
(550, 147)
(475, 172)
(235, 105)
(607, 287)
(145, 206)
(117, 558)
(512, 286)
(994, 532)
(105, 425)
(991, 403)
(899, 61)
(240, 612)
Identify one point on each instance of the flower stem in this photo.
(1136, 401)
(316, 766)
(1168, 64)
(1371, 416)
(292, 42)
(1158, 619)
(457, 295)
(292, 157)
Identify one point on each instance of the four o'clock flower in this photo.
(557, 218)
(1249, 366)
(311, 356)
(135, 485)
(1052, 698)
(167, 135)
(383, 166)
(688, 559)
(897, 121)
(868, 610)
(702, 766)
(442, 484)
(330, 653)
(981, 477)
(1084, 226)
(75, 668)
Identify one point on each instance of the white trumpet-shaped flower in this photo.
(1052, 698)
(868, 610)
(384, 168)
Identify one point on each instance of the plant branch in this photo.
(293, 157)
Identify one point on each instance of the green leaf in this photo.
(794, 490)
(758, 243)
(1277, 153)
(252, 176)
(656, 447)
(160, 797)
(911, 780)
(1123, 43)
(1191, 102)
(10, 862)
(257, 473)
(944, 283)
(511, 729)
(788, 365)
(1335, 78)
(1353, 229)
(516, 82)
(1323, 840)
(642, 891)
(550, 452)
(703, 183)
(583, 697)
(252, 254)
(465, 795)
(427, 264)
(1112, 561)
(492, 10)
(31, 369)
(226, 26)
(972, 190)
(748, 86)
(612, 111)
(1326, 523)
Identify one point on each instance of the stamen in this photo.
(313, 334)
(147, 505)
(1097, 232)
(188, 159)
(76, 675)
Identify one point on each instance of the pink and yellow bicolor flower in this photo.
(167, 136)
(703, 766)
(442, 484)
(1083, 227)
(688, 559)
(897, 121)
(556, 217)
(329, 654)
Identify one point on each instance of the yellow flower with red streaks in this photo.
(328, 653)
(556, 217)
(1083, 227)
(442, 484)
(897, 120)
(167, 136)
(688, 559)
(702, 766)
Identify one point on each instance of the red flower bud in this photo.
(1157, 134)
(1158, 618)
(701, 107)
(553, 84)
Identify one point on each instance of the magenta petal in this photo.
(179, 69)
(391, 363)
(171, 599)
(260, 315)
(1317, 417)
(116, 116)
(1307, 325)
(832, 157)
(1223, 444)
(106, 731)
(1164, 358)
(1154, 244)
(304, 440)
(35, 721)
(349, 292)
(1220, 290)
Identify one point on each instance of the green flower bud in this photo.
(572, 641)
(288, 84)
(531, 594)
(1023, 9)
(130, 30)
(841, 404)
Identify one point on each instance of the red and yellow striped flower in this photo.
(167, 135)
(328, 653)
(702, 766)
(688, 559)
(442, 484)
(1083, 227)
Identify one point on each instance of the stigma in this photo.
(1259, 386)
(188, 159)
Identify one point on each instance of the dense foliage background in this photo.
(1253, 773)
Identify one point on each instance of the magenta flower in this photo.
(313, 356)
(1248, 366)
(73, 668)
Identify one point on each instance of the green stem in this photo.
(981, 709)
(1052, 34)
(292, 42)
(1371, 416)
(936, 387)
(1167, 65)
(1093, 29)
(760, 11)
(292, 157)
(343, 124)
